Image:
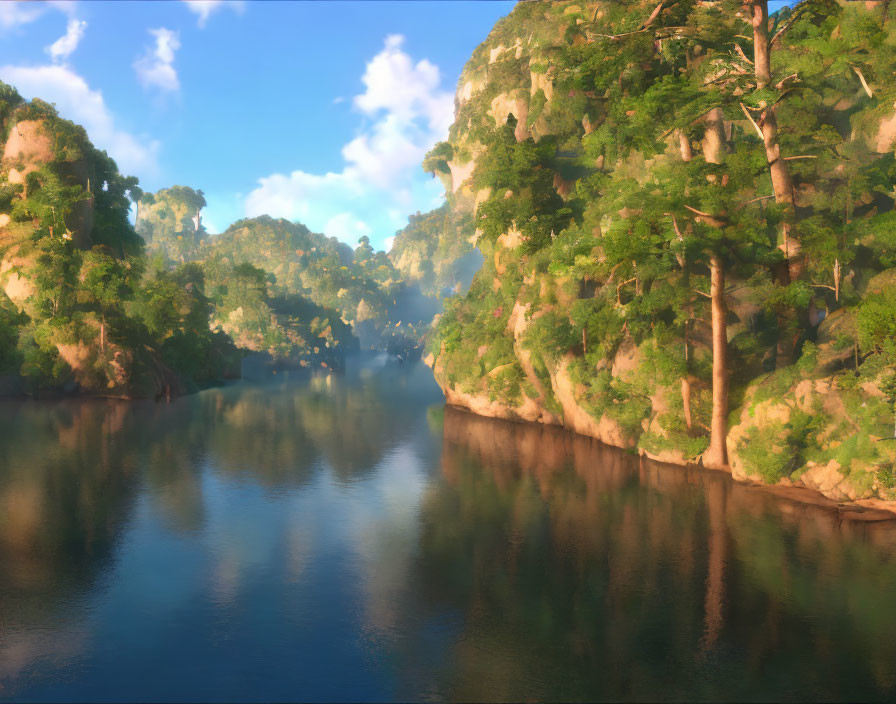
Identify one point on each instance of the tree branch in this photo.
(708, 217)
(653, 15)
(616, 37)
(787, 25)
(677, 231)
(755, 200)
(619, 287)
(743, 55)
(699, 212)
(612, 274)
(752, 121)
(780, 84)
(862, 79)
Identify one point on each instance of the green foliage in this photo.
(437, 158)
(624, 254)
(169, 222)
(522, 190)
(287, 327)
(778, 449)
(41, 366)
(10, 322)
(550, 336)
(877, 323)
(536, 105)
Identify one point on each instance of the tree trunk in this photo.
(717, 454)
(687, 153)
(714, 137)
(684, 145)
(782, 180)
(762, 56)
(837, 280)
(782, 184)
(686, 398)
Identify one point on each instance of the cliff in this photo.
(79, 310)
(686, 218)
(435, 251)
(170, 222)
(360, 287)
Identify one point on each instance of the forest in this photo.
(668, 226)
(685, 210)
(92, 304)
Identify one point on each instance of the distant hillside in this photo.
(249, 278)
(359, 287)
(436, 251)
(170, 222)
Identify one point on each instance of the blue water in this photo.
(348, 538)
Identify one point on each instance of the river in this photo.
(349, 538)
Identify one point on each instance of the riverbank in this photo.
(813, 482)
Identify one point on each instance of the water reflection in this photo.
(346, 538)
(584, 573)
(116, 516)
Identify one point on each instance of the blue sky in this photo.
(315, 111)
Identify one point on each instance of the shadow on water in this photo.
(345, 537)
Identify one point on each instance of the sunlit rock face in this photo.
(31, 146)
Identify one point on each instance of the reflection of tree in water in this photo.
(356, 420)
(257, 433)
(582, 573)
(67, 484)
(69, 470)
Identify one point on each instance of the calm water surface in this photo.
(352, 540)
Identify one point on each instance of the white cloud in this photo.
(292, 196)
(155, 68)
(407, 113)
(388, 243)
(346, 228)
(405, 90)
(205, 8)
(63, 47)
(77, 102)
(16, 13)
(210, 226)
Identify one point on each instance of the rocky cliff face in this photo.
(170, 222)
(435, 251)
(30, 148)
(77, 313)
(591, 308)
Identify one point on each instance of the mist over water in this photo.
(349, 538)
